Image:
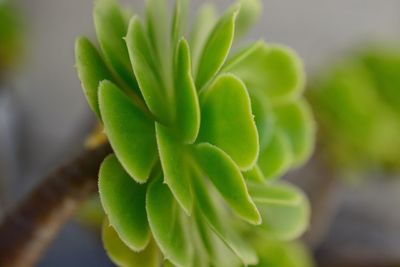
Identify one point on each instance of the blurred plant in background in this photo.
(11, 45)
(356, 101)
(176, 112)
(357, 105)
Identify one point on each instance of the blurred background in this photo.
(44, 117)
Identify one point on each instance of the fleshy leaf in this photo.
(276, 158)
(130, 132)
(227, 178)
(250, 11)
(144, 66)
(274, 253)
(244, 56)
(179, 20)
(125, 257)
(91, 71)
(186, 100)
(263, 117)
(216, 49)
(204, 23)
(227, 120)
(173, 156)
(222, 229)
(276, 70)
(157, 28)
(165, 219)
(158, 31)
(123, 201)
(274, 193)
(254, 175)
(220, 254)
(201, 254)
(167, 263)
(296, 121)
(111, 26)
(285, 221)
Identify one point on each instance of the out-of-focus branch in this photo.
(28, 229)
(321, 183)
(322, 193)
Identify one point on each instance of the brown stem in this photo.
(320, 182)
(29, 228)
(323, 198)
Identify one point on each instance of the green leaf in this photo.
(227, 120)
(285, 220)
(201, 254)
(275, 70)
(264, 117)
(187, 103)
(174, 161)
(111, 27)
(250, 11)
(167, 263)
(158, 31)
(274, 193)
(275, 253)
(254, 175)
(91, 71)
(179, 20)
(130, 132)
(223, 229)
(123, 256)
(227, 178)
(145, 66)
(123, 201)
(204, 23)
(238, 61)
(220, 254)
(157, 27)
(216, 49)
(276, 158)
(167, 225)
(296, 120)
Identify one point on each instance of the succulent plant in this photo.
(199, 134)
(357, 105)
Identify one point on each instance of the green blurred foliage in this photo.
(357, 106)
(11, 32)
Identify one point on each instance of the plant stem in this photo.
(324, 204)
(321, 183)
(29, 228)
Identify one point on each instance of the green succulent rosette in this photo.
(199, 134)
(357, 105)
